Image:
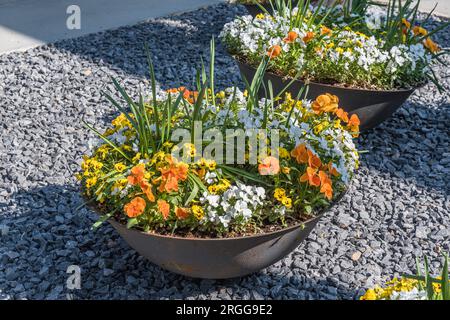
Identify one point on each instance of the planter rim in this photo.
(320, 213)
(329, 85)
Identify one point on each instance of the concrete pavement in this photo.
(29, 23)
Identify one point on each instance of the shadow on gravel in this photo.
(47, 234)
(412, 145)
(176, 42)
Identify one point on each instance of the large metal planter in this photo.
(216, 258)
(254, 10)
(371, 106)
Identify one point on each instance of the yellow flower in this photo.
(121, 121)
(91, 182)
(120, 167)
(279, 194)
(260, 16)
(221, 95)
(211, 164)
(369, 295)
(213, 189)
(285, 170)
(287, 202)
(159, 156)
(102, 151)
(189, 148)
(203, 163)
(167, 144)
(136, 158)
(198, 212)
(339, 50)
(283, 153)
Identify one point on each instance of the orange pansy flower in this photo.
(354, 121)
(171, 174)
(406, 23)
(137, 174)
(417, 30)
(269, 166)
(300, 153)
(311, 177)
(325, 31)
(324, 178)
(325, 103)
(431, 45)
(313, 160)
(135, 207)
(291, 37)
(341, 114)
(274, 51)
(182, 213)
(147, 190)
(332, 170)
(164, 208)
(308, 37)
(327, 190)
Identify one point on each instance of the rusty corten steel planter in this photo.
(219, 258)
(371, 106)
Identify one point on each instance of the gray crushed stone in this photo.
(397, 209)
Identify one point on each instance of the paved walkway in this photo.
(442, 8)
(29, 23)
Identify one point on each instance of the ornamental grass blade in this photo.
(106, 140)
(153, 84)
(428, 281)
(121, 109)
(211, 69)
(102, 219)
(242, 173)
(445, 285)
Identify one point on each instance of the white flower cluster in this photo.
(414, 294)
(355, 52)
(237, 204)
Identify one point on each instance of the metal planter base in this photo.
(215, 258)
(371, 106)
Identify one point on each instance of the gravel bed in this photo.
(397, 209)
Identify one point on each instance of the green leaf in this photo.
(308, 209)
(428, 281)
(445, 285)
(100, 221)
(132, 222)
(107, 140)
(194, 192)
(243, 174)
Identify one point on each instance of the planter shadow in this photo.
(371, 106)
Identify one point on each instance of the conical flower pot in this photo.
(371, 106)
(218, 258)
(254, 10)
